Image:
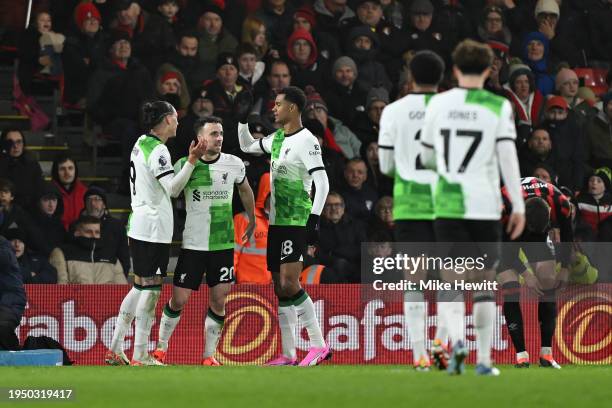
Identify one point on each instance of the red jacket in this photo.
(73, 202)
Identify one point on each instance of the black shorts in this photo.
(149, 258)
(286, 244)
(192, 265)
(414, 231)
(485, 234)
(529, 248)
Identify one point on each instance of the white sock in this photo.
(287, 321)
(484, 315)
(170, 319)
(441, 330)
(522, 354)
(213, 326)
(453, 314)
(145, 316)
(545, 350)
(124, 319)
(304, 308)
(414, 314)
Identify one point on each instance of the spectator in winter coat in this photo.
(527, 100)
(84, 51)
(112, 231)
(536, 56)
(347, 95)
(595, 201)
(34, 268)
(599, 136)
(12, 296)
(65, 176)
(214, 38)
(363, 47)
(151, 37)
(568, 143)
(48, 216)
(337, 136)
(359, 197)
(341, 238)
(84, 259)
(306, 68)
(17, 166)
(13, 216)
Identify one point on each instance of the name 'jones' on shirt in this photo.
(463, 115)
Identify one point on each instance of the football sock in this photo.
(304, 308)
(145, 316)
(213, 326)
(522, 354)
(452, 310)
(484, 322)
(414, 315)
(441, 326)
(545, 351)
(513, 315)
(125, 318)
(287, 321)
(170, 318)
(547, 316)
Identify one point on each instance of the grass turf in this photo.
(328, 385)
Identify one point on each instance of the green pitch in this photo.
(324, 386)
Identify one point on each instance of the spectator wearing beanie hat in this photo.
(228, 96)
(370, 14)
(567, 85)
(112, 231)
(337, 136)
(565, 45)
(34, 268)
(214, 38)
(116, 91)
(595, 200)
(328, 46)
(306, 68)
(599, 136)
(422, 34)
(367, 123)
(363, 47)
(48, 215)
(170, 81)
(151, 36)
(492, 26)
(568, 142)
(527, 100)
(346, 96)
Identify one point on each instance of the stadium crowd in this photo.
(350, 57)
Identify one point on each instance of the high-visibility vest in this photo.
(250, 264)
(311, 274)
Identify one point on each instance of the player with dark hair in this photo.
(208, 237)
(547, 210)
(294, 219)
(150, 227)
(468, 137)
(413, 212)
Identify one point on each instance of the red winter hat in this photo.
(84, 11)
(557, 102)
(307, 13)
(169, 75)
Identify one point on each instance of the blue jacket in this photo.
(12, 292)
